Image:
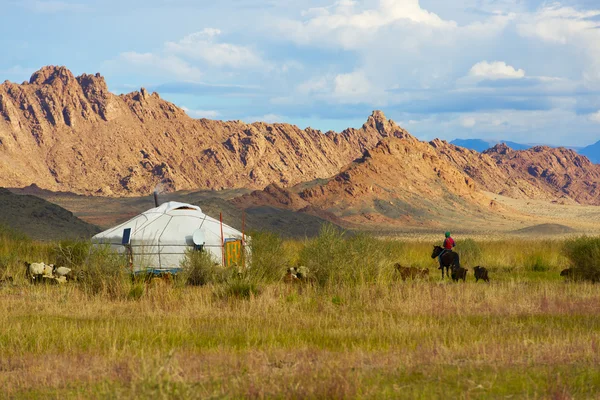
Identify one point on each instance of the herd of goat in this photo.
(49, 273)
(41, 272)
(457, 273)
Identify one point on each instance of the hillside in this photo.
(67, 133)
(40, 219)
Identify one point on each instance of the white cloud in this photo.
(268, 118)
(495, 70)
(468, 122)
(570, 28)
(209, 114)
(351, 87)
(166, 66)
(595, 117)
(205, 47)
(343, 23)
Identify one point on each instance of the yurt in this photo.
(157, 239)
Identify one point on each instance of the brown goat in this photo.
(459, 273)
(411, 272)
(481, 273)
(570, 274)
(290, 276)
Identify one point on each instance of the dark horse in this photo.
(450, 259)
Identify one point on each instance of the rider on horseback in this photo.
(448, 245)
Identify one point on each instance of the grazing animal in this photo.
(569, 273)
(481, 273)
(48, 270)
(459, 273)
(65, 272)
(35, 271)
(411, 272)
(450, 259)
(290, 276)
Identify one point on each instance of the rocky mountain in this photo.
(401, 181)
(558, 171)
(67, 133)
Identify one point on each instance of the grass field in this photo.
(358, 333)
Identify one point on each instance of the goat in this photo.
(65, 272)
(481, 273)
(35, 271)
(570, 274)
(459, 273)
(48, 269)
(411, 272)
(290, 276)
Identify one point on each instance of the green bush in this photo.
(335, 257)
(70, 253)
(239, 288)
(199, 268)
(584, 255)
(268, 259)
(537, 263)
(469, 252)
(105, 272)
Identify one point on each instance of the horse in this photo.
(450, 259)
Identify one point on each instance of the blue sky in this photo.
(521, 70)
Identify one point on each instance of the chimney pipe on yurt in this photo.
(156, 197)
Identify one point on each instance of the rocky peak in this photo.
(50, 74)
(500, 148)
(92, 84)
(378, 121)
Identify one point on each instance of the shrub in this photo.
(238, 287)
(199, 268)
(469, 251)
(584, 255)
(269, 257)
(70, 253)
(336, 257)
(104, 272)
(537, 263)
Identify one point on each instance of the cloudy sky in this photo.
(522, 70)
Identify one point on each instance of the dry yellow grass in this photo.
(419, 339)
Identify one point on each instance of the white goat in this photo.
(35, 270)
(65, 272)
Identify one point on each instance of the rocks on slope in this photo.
(557, 171)
(67, 133)
(401, 180)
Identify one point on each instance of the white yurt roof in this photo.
(160, 236)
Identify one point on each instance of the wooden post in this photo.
(243, 238)
(222, 240)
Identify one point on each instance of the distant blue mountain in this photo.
(517, 146)
(592, 152)
(481, 145)
(474, 144)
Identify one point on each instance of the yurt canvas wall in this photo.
(160, 236)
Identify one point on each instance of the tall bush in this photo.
(584, 254)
